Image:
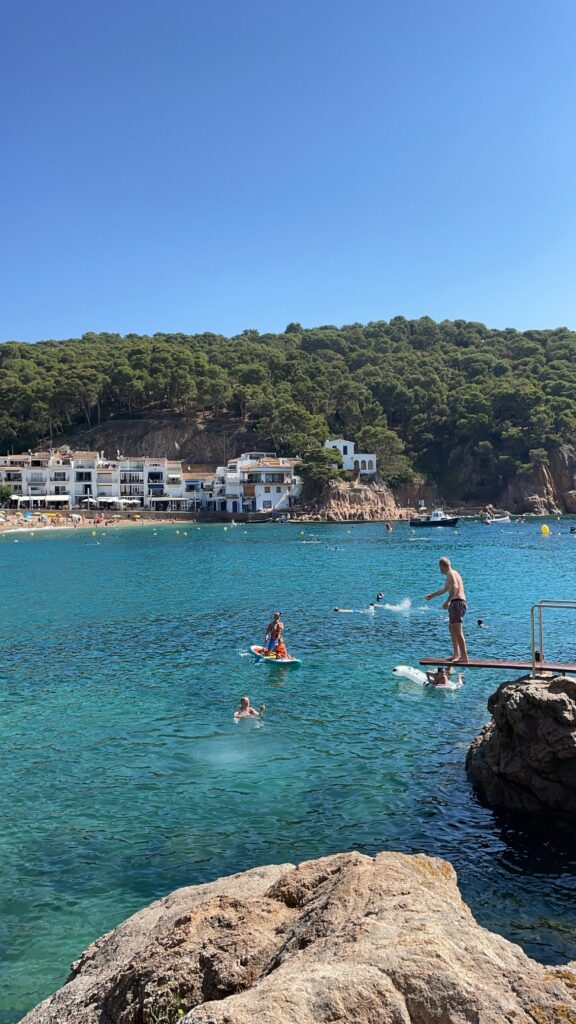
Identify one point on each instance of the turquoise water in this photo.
(124, 775)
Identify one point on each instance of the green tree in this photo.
(5, 495)
(318, 467)
(393, 465)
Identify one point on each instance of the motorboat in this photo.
(436, 518)
(494, 520)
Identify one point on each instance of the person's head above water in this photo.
(379, 596)
(445, 564)
(480, 623)
(244, 702)
(277, 615)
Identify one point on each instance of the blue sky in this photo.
(186, 165)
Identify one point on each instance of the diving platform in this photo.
(521, 666)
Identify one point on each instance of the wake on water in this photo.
(404, 606)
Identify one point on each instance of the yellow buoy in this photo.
(545, 529)
(93, 533)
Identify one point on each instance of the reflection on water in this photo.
(125, 776)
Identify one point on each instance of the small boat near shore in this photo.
(495, 520)
(437, 518)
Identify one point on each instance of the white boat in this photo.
(437, 518)
(494, 520)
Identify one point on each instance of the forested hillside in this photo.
(412, 390)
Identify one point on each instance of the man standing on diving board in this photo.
(456, 605)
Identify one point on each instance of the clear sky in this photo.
(190, 165)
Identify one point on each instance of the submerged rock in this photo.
(525, 759)
(348, 938)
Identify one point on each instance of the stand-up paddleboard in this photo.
(416, 676)
(260, 653)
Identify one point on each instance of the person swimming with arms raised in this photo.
(245, 710)
(456, 605)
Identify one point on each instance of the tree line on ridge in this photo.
(410, 390)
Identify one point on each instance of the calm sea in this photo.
(122, 658)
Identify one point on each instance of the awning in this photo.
(57, 497)
(109, 501)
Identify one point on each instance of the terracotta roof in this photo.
(199, 475)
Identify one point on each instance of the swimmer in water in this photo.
(480, 624)
(244, 710)
(437, 678)
(379, 598)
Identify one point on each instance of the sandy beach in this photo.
(39, 523)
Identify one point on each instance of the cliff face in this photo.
(525, 759)
(177, 437)
(350, 938)
(549, 488)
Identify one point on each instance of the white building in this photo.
(353, 461)
(254, 482)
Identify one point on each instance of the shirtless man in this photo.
(274, 631)
(244, 710)
(456, 605)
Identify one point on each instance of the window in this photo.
(344, 449)
(266, 490)
(370, 464)
(363, 464)
(356, 464)
(278, 490)
(266, 504)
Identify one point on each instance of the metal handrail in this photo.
(536, 610)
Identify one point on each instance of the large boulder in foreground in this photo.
(525, 759)
(349, 939)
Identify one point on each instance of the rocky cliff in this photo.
(348, 938)
(547, 488)
(525, 758)
(345, 500)
(174, 437)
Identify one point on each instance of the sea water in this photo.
(123, 656)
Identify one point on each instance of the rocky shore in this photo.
(525, 758)
(347, 938)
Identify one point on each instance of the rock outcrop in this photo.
(345, 500)
(525, 758)
(348, 938)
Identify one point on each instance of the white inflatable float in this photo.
(416, 676)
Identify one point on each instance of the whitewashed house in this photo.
(253, 482)
(353, 461)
